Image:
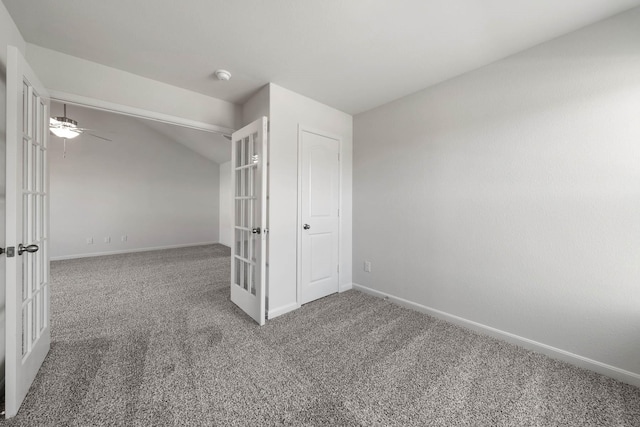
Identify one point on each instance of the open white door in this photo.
(249, 243)
(28, 335)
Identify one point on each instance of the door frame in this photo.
(301, 129)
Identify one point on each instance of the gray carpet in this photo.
(152, 339)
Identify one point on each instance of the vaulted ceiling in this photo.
(353, 55)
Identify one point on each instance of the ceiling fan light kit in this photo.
(64, 127)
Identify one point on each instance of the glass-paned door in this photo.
(248, 250)
(28, 335)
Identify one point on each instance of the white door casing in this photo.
(28, 336)
(249, 242)
(319, 206)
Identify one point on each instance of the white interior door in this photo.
(249, 243)
(319, 214)
(27, 226)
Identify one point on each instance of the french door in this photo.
(27, 230)
(249, 243)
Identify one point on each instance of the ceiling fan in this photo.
(67, 128)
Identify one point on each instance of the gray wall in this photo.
(142, 184)
(510, 196)
(226, 203)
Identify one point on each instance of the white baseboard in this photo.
(129, 251)
(556, 353)
(345, 287)
(282, 310)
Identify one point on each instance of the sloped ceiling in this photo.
(353, 55)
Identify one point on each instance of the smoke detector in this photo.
(223, 75)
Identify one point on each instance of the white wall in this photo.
(288, 110)
(257, 106)
(226, 230)
(510, 196)
(142, 184)
(9, 35)
(65, 73)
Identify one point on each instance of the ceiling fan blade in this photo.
(99, 137)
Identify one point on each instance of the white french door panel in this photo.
(28, 336)
(249, 242)
(319, 215)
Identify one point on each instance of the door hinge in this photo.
(338, 212)
(338, 268)
(338, 156)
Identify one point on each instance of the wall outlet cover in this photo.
(367, 266)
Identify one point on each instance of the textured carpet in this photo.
(152, 339)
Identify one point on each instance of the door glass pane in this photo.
(34, 318)
(236, 279)
(239, 183)
(32, 220)
(253, 279)
(44, 120)
(29, 324)
(25, 280)
(254, 151)
(245, 244)
(38, 171)
(25, 322)
(45, 214)
(25, 158)
(245, 151)
(34, 273)
(238, 212)
(42, 312)
(34, 166)
(33, 108)
(25, 107)
(238, 145)
(245, 277)
(45, 309)
(238, 242)
(245, 182)
(241, 270)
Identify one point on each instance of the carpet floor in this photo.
(152, 339)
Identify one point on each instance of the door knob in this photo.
(30, 248)
(255, 230)
(306, 226)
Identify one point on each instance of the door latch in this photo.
(10, 251)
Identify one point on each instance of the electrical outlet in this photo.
(367, 266)
(123, 238)
(107, 239)
(89, 240)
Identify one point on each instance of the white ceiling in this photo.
(351, 54)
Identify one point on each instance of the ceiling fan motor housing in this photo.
(67, 120)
